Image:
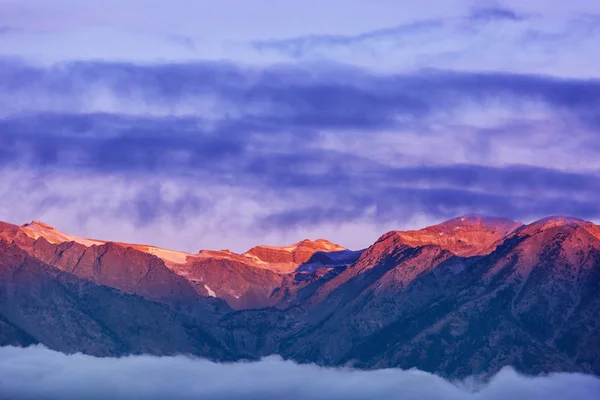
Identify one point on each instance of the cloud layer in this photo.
(222, 155)
(214, 133)
(39, 373)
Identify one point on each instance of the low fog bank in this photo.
(39, 373)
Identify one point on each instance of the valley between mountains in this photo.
(467, 296)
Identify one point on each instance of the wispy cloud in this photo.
(402, 34)
(303, 46)
(487, 37)
(495, 13)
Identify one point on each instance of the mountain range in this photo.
(467, 296)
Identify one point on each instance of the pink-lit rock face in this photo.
(42, 304)
(559, 244)
(37, 229)
(120, 266)
(560, 221)
(286, 259)
(243, 280)
(117, 266)
(240, 284)
(257, 278)
(464, 236)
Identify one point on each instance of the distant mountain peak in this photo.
(317, 245)
(468, 235)
(557, 220)
(37, 229)
(548, 223)
(320, 245)
(38, 224)
(480, 220)
(288, 258)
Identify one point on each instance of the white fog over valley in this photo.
(39, 373)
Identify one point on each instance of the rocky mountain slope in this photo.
(466, 296)
(243, 280)
(42, 304)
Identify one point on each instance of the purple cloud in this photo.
(267, 131)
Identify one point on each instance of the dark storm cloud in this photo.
(292, 97)
(38, 373)
(149, 204)
(346, 185)
(286, 159)
(114, 142)
(349, 186)
(385, 193)
(264, 131)
(402, 203)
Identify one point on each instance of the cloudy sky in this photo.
(223, 124)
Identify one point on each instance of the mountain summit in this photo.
(286, 259)
(469, 235)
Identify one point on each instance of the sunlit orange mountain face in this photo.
(467, 296)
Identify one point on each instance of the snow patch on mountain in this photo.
(177, 257)
(211, 293)
(38, 229)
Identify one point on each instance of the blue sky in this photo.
(202, 124)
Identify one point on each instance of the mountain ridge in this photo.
(466, 296)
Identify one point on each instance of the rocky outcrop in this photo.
(117, 266)
(240, 284)
(244, 281)
(286, 259)
(466, 236)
